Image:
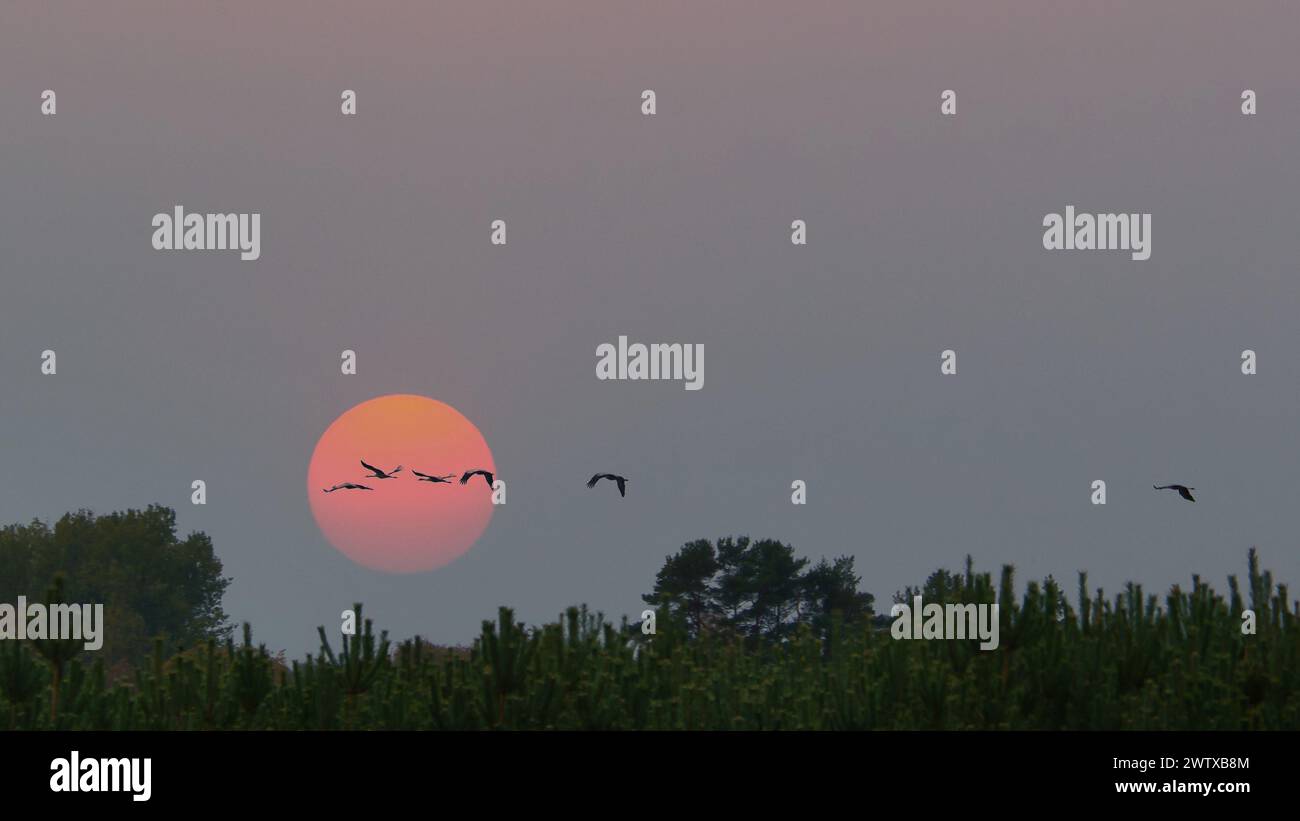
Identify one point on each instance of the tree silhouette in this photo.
(685, 583)
(758, 589)
(832, 587)
(151, 583)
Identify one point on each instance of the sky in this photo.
(822, 361)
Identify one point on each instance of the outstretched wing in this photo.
(1186, 494)
(371, 467)
(421, 475)
(487, 474)
(464, 477)
(592, 482)
(397, 469)
(622, 486)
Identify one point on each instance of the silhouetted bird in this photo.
(620, 480)
(1183, 490)
(346, 486)
(379, 474)
(467, 475)
(424, 477)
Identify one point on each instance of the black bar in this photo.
(234, 770)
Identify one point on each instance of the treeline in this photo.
(759, 590)
(1089, 661)
(151, 582)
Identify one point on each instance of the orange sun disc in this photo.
(401, 525)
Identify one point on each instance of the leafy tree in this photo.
(758, 589)
(831, 587)
(685, 581)
(942, 586)
(151, 583)
(732, 589)
(773, 579)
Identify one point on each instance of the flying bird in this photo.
(376, 473)
(467, 475)
(346, 486)
(424, 477)
(620, 480)
(1183, 490)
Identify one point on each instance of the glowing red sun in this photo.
(402, 525)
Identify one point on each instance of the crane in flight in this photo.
(1183, 490)
(621, 481)
(424, 477)
(469, 474)
(376, 473)
(346, 486)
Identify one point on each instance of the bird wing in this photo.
(592, 482)
(487, 474)
(367, 466)
(421, 475)
(1186, 494)
(1163, 487)
(622, 486)
(397, 469)
(464, 477)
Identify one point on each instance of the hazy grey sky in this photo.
(822, 362)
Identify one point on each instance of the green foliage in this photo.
(757, 589)
(57, 652)
(21, 683)
(150, 582)
(1126, 662)
(358, 664)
